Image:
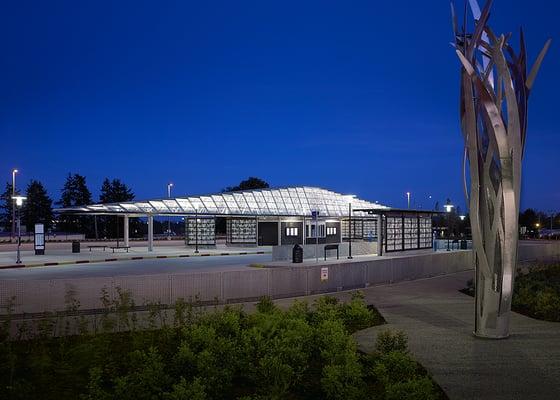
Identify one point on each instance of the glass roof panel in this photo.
(232, 204)
(198, 205)
(209, 204)
(130, 207)
(284, 201)
(146, 207)
(159, 206)
(241, 203)
(172, 205)
(261, 202)
(220, 204)
(185, 205)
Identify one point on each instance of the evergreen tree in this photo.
(38, 207)
(6, 207)
(248, 184)
(75, 193)
(114, 191)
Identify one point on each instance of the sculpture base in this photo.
(490, 337)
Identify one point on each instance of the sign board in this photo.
(324, 274)
(39, 240)
(315, 214)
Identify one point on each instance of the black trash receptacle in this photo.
(297, 254)
(75, 246)
(463, 245)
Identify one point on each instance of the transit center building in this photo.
(311, 217)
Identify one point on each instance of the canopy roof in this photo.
(292, 201)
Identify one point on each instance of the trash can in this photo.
(297, 254)
(463, 245)
(75, 246)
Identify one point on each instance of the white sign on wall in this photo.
(324, 274)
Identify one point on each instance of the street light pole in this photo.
(448, 208)
(169, 186)
(14, 172)
(18, 202)
(408, 199)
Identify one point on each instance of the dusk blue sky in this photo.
(355, 96)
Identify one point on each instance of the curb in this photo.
(49, 264)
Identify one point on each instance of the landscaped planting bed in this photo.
(304, 352)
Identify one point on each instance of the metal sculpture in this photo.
(495, 88)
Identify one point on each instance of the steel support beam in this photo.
(126, 231)
(150, 233)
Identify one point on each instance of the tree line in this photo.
(38, 207)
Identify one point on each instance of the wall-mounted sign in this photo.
(324, 274)
(39, 242)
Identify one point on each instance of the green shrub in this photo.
(342, 374)
(266, 305)
(146, 378)
(356, 315)
(537, 293)
(547, 304)
(186, 391)
(414, 389)
(389, 340)
(299, 354)
(394, 367)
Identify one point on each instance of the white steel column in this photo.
(257, 230)
(380, 235)
(126, 231)
(150, 233)
(279, 232)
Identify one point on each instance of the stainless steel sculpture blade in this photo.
(495, 88)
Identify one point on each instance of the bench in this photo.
(331, 247)
(97, 246)
(119, 248)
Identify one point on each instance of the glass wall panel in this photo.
(201, 231)
(241, 231)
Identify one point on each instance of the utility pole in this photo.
(18, 202)
(14, 172)
(169, 186)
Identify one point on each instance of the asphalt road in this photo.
(137, 267)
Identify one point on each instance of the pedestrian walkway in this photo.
(61, 254)
(439, 321)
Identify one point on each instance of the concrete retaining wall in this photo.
(537, 251)
(34, 296)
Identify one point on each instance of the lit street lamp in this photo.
(14, 172)
(169, 186)
(19, 203)
(408, 199)
(448, 207)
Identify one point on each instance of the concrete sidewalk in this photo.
(58, 255)
(439, 321)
